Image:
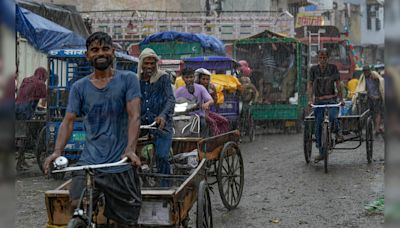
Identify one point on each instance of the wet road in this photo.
(281, 190)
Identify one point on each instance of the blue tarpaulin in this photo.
(211, 63)
(206, 41)
(43, 34)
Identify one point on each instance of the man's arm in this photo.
(64, 132)
(169, 106)
(207, 97)
(339, 88)
(133, 108)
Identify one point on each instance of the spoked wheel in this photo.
(230, 175)
(325, 144)
(369, 140)
(212, 168)
(204, 210)
(76, 223)
(42, 152)
(251, 128)
(41, 149)
(307, 143)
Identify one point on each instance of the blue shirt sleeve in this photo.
(132, 87)
(169, 93)
(74, 100)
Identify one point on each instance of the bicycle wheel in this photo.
(42, 152)
(251, 128)
(76, 223)
(325, 144)
(307, 142)
(204, 211)
(230, 175)
(369, 140)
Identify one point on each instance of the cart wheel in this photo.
(42, 153)
(369, 141)
(76, 223)
(307, 143)
(230, 175)
(251, 129)
(204, 210)
(325, 144)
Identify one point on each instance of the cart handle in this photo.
(326, 105)
(150, 126)
(99, 166)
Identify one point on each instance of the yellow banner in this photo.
(304, 19)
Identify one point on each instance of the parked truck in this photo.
(329, 37)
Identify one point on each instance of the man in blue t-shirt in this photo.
(109, 103)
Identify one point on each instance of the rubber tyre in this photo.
(252, 129)
(325, 144)
(230, 175)
(307, 143)
(369, 140)
(204, 210)
(41, 150)
(76, 223)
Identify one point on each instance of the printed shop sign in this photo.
(305, 19)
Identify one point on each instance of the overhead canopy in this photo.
(66, 16)
(43, 34)
(267, 34)
(206, 41)
(211, 63)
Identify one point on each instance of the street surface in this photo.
(280, 190)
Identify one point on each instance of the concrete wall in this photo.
(355, 25)
(371, 36)
(171, 5)
(29, 59)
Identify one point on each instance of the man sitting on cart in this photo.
(157, 105)
(198, 94)
(109, 102)
(216, 122)
(321, 91)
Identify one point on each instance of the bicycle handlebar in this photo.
(150, 126)
(99, 166)
(326, 105)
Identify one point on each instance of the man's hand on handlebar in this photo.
(49, 160)
(160, 122)
(205, 106)
(133, 158)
